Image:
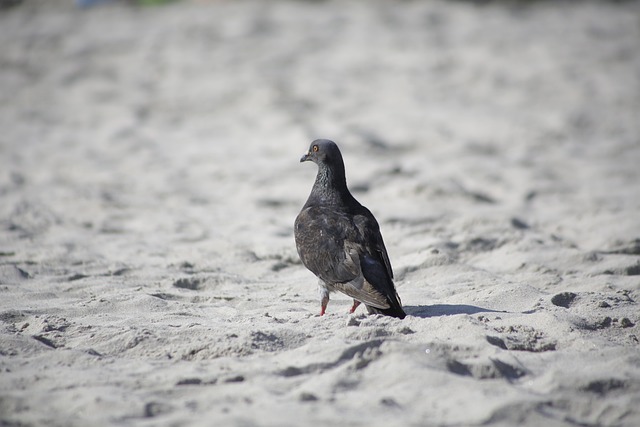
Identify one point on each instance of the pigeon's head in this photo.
(323, 151)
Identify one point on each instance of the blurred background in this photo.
(526, 108)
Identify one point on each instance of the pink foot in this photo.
(323, 308)
(354, 306)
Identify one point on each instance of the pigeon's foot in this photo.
(324, 303)
(354, 306)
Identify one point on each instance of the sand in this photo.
(149, 179)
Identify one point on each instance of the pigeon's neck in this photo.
(330, 187)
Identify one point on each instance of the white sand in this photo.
(149, 179)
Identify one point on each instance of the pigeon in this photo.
(339, 240)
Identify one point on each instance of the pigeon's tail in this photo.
(395, 310)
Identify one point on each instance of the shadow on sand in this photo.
(445, 310)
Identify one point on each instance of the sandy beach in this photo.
(150, 177)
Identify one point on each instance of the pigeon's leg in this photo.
(323, 291)
(354, 306)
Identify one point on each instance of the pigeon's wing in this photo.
(376, 275)
(374, 260)
(371, 238)
(360, 288)
(382, 251)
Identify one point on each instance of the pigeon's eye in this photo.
(315, 148)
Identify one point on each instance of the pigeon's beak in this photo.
(305, 157)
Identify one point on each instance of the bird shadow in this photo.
(445, 310)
